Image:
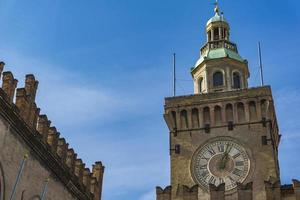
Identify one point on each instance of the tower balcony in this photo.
(218, 44)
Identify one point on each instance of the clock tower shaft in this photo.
(223, 106)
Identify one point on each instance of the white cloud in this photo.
(66, 97)
(73, 103)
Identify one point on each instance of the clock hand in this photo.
(224, 159)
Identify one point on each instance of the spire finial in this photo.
(216, 7)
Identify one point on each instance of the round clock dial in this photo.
(221, 161)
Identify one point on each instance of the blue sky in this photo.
(104, 68)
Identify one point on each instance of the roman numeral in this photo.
(237, 172)
(205, 174)
(221, 148)
(204, 158)
(236, 155)
(212, 180)
(203, 167)
(211, 151)
(239, 163)
(231, 180)
(221, 180)
(228, 148)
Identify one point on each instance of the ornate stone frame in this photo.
(245, 146)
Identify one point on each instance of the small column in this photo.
(258, 110)
(207, 36)
(220, 33)
(223, 113)
(235, 113)
(178, 120)
(189, 118)
(228, 79)
(201, 124)
(212, 115)
(247, 111)
(226, 35)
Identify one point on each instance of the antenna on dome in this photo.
(260, 65)
(174, 74)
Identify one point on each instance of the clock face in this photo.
(221, 161)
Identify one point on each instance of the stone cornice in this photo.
(215, 97)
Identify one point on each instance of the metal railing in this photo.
(219, 44)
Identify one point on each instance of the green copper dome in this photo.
(218, 53)
(216, 18)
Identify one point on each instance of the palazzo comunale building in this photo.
(224, 139)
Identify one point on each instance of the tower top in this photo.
(220, 66)
(216, 7)
(218, 17)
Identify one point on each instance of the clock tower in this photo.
(224, 138)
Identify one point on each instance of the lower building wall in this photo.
(12, 151)
(244, 192)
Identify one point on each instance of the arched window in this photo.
(184, 119)
(218, 79)
(236, 80)
(216, 34)
(173, 113)
(200, 85)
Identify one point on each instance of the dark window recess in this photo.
(207, 128)
(218, 79)
(216, 34)
(264, 122)
(236, 81)
(264, 140)
(177, 149)
(230, 126)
